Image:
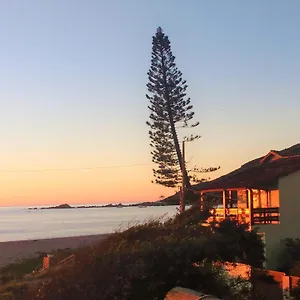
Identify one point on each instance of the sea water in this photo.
(20, 223)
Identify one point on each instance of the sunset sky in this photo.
(73, 84)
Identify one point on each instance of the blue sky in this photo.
(72, 88)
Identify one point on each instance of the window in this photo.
(233, 199)
(214, 199)
(227, 199)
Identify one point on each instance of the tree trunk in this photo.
(172, 125)
(182, 194)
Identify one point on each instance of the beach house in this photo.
(264, 193)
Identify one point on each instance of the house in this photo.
(264, 193)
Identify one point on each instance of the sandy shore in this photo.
(14, 251)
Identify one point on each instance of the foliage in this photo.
(147, 260)
(17, 270)
(170, 108)
(295, 269)
(290, 257)
(245, 244)
(295, 292)
(13, 291)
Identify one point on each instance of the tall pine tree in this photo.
(169, 106)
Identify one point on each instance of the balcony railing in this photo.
(268, 215)
(242, 215)
(260, 216)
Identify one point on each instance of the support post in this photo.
(224, 204)
(182, 194)
(250, 206)
(201, 202)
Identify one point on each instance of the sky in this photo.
(73, 78)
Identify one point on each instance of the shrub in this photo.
(147, 260)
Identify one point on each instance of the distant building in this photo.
(264, 193)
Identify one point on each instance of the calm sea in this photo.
(19, 223)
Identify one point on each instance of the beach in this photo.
(14, 251)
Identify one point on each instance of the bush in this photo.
(295, 292)
(5, 278)
(290, 257)
(19, 269)
(147, 260)
(7, 296)
(13, 291)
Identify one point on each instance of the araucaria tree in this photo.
(169, 108)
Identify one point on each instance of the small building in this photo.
(264, 193)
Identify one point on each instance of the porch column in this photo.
(250, 205)
(268, 198)
(201, 201)
(259, 198)
(224, 204)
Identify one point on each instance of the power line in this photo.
(72, 169)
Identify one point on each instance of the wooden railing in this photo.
(66, 260)
(240, 214)
(269, 215)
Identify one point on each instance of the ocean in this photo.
(19, 223)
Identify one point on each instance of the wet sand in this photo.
(17, 250)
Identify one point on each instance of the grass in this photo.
(17, 270)
(13, 290)
(13, 284)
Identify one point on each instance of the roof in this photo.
(290, 151)
(272, 155)
(259, 176)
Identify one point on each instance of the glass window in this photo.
(234, 199)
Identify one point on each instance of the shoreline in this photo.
(14, 251)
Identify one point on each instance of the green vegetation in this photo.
(147, 260)
(17, 270)
(14, 285)
(290, 257)
(170, 108)
(13, 291)
(290, 262)
(295, 293)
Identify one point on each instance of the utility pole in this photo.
(182, 193)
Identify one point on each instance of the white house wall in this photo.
(289, 227)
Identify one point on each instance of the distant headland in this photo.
(120, 205)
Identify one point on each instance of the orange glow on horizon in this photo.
(80, 187)
(96, 186)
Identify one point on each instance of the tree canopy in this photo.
(169, 107)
